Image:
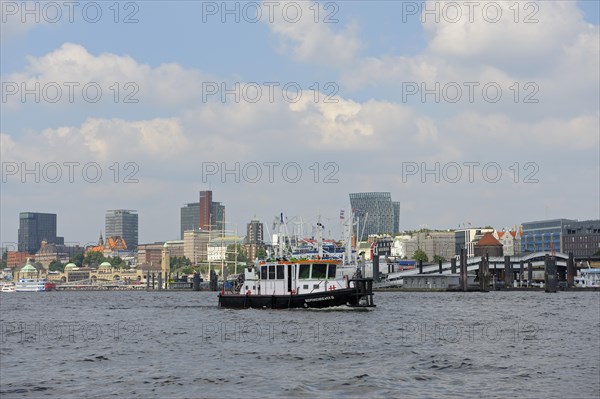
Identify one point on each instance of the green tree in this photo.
(241, 253)
(78, 259)
(4, 257)
(420, 255)
(178, 262)
(56, 266)
(261, 253)
(93, 258)
(437, 258)
(116, 262)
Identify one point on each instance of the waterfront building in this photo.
(150, 254)
(123, 223)
(440, 243)
(543, 235)
(581, 238)
(35, 227)
(488, 245)
(466, 238)
(376, 211)
(195, 245)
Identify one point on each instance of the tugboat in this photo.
(298, 283)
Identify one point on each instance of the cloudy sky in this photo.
(485, 114)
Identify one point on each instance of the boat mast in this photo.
(320, 229)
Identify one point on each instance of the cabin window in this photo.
(331, 272)
(263, 272)
(305, 286)
(319, 270)
(279, 272)
(304, 272)
(271, 272)
(315, 286)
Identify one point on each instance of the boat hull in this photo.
(340, 297)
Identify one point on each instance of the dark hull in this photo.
(341, 297)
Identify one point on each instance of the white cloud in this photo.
(315, 42)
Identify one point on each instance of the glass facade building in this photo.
(543, 235)
(376, 212)
(123, 223)
(34, 228)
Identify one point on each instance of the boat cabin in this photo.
(293, 277)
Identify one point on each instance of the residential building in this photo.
(195, 245)
(123, 223)
(35, 227)
(376, 212)
(254, 238)
(510, 240)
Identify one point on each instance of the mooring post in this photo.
(463, 269)
(521, 264)
(550, 273)
(507, 271)
(196, 282)
(147, 280)
(440, 265)
(420, 266)
(453, 265)
(529, 273)
(570, 270)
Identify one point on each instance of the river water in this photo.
(180, 345)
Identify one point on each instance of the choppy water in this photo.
(179, 344)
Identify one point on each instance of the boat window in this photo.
(263, 272)
(331, 272)
(315, 286)
(304, 272)
(271, 272)
(319, 270)
(279, 272)
(305, 286)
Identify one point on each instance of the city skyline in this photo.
(461, 121)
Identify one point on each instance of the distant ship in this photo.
(7, 287)
(34, 285)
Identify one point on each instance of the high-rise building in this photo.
(205, 210)
(376, 212)
(34, 228)
(217, 216)
(190, 217)
(123, 223)
(396, 205)
(254, 232)
(254, 238)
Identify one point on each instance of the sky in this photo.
(487, 113)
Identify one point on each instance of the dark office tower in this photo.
(123, 223)
(375, 212)
(190, 217)
(396, 206)
(217, 215)
(37, 227)
(205, 210)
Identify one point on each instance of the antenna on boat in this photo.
(320, 229)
